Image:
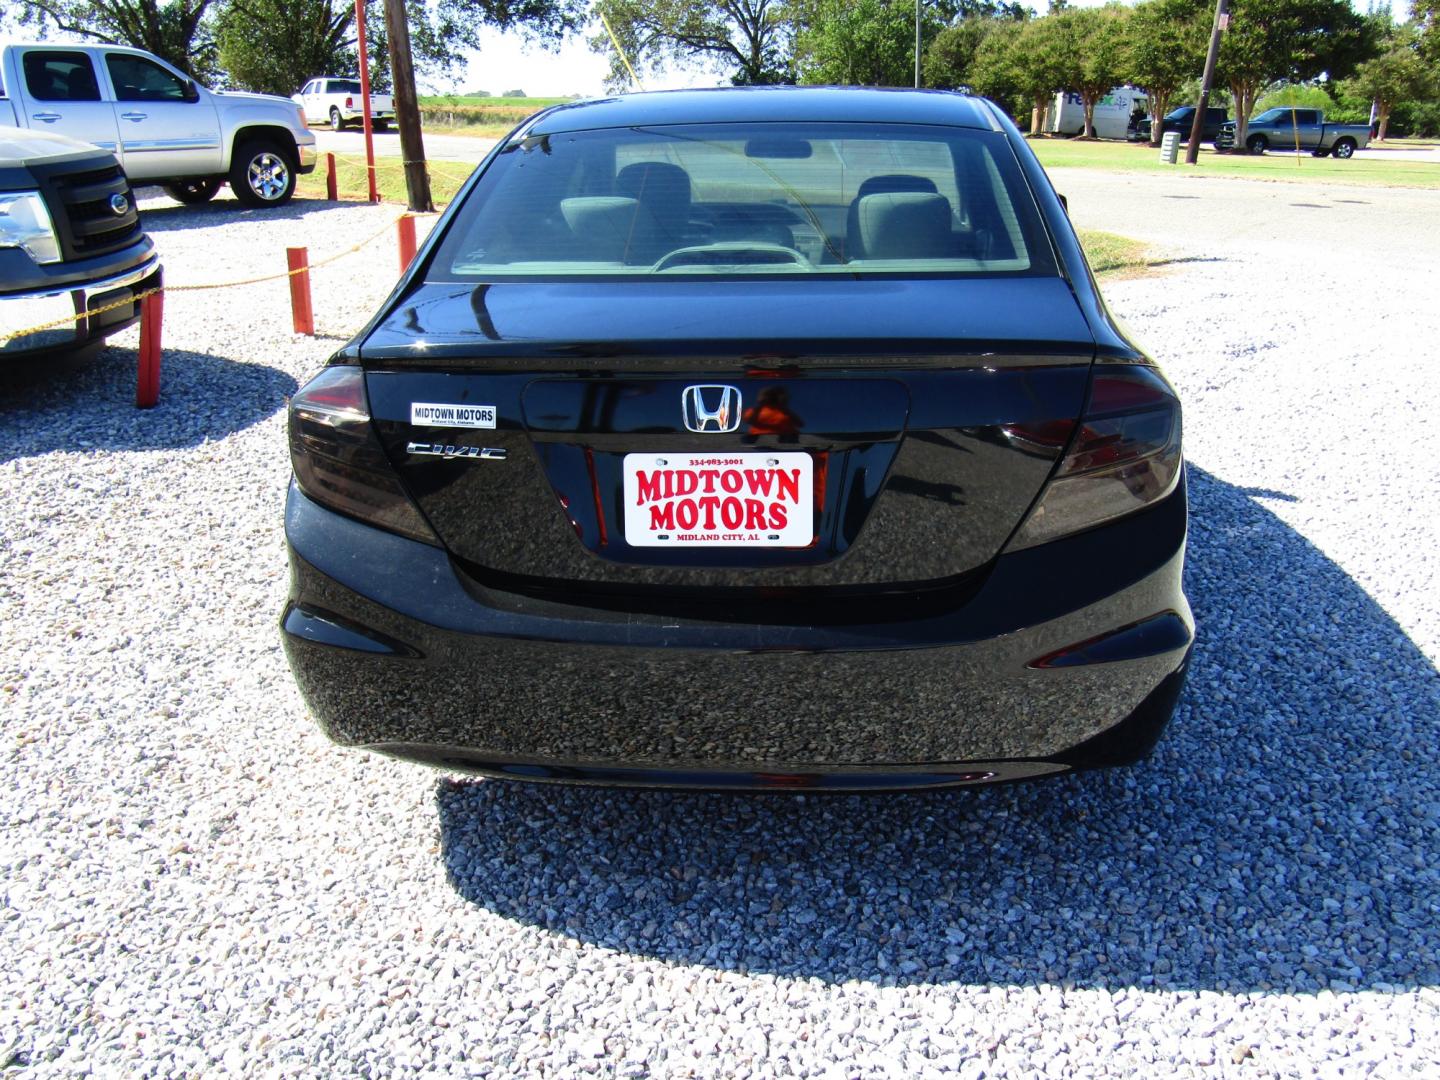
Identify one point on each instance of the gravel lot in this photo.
(194, 881)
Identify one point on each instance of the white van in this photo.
(1066, 114)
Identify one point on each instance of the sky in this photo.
(505, 62)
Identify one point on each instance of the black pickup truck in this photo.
(71, 245)
(1181, 120)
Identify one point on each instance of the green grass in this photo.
(485, 117)
(445, 179)
(1110, 253)
(480, 130)
(1290, 167)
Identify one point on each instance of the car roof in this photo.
(746, 104)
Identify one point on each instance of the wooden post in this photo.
(147, 378)
(365, 96)
(407, 108)
(332, 184)
(406, 228)
(300, 308)
(1207, 80)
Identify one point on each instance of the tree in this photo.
(1426, 14)
(992, 72)
(950, 59)
(1032, 61)
(863, 42)
(749, 39)
(177, 31)
(1095, 54)
(1397, 75)
(1288, 40)
(1165, 44)
(274, 46)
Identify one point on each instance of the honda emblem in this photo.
(711, 405)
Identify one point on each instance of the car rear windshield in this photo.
(736, 200)
(344, 86)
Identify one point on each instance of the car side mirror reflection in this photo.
(192, 94)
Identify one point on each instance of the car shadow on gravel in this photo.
(1282, 838)
(90, 404)
(159, 213)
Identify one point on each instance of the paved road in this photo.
(438, 147)
(1298, 225)
(1402, 153)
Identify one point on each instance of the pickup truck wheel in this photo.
(337, 122)
(192, 192)
(1257, 144)
(262, 174)
(1344, 148)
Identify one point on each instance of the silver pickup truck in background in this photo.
(1282, 129)
(163, 127)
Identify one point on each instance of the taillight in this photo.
(349, 102)
(1125, 455)
(339, 462)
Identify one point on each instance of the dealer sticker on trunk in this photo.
(737, 500)
(437, 414)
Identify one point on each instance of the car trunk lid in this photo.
(912, 422)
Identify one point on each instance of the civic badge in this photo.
(445, 450)
(711, 408)
(119, 204)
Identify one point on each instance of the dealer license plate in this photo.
(718, 500)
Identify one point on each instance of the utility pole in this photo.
(364, 47)
(407, 109)
(917, 44)
(1222, 20)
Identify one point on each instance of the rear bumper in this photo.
(395, 652)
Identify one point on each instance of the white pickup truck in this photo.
(163, 128)
(338, 102)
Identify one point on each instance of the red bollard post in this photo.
(147, 379)
(300, 307)
(332, 186)
(406, 226)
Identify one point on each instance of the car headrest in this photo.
(663, 188)
(904, 225)
(603, 226)
(874, 185)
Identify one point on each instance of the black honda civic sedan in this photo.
(756, 438)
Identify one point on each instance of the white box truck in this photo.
(1066, 114)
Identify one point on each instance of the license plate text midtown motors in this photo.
(764, 500)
